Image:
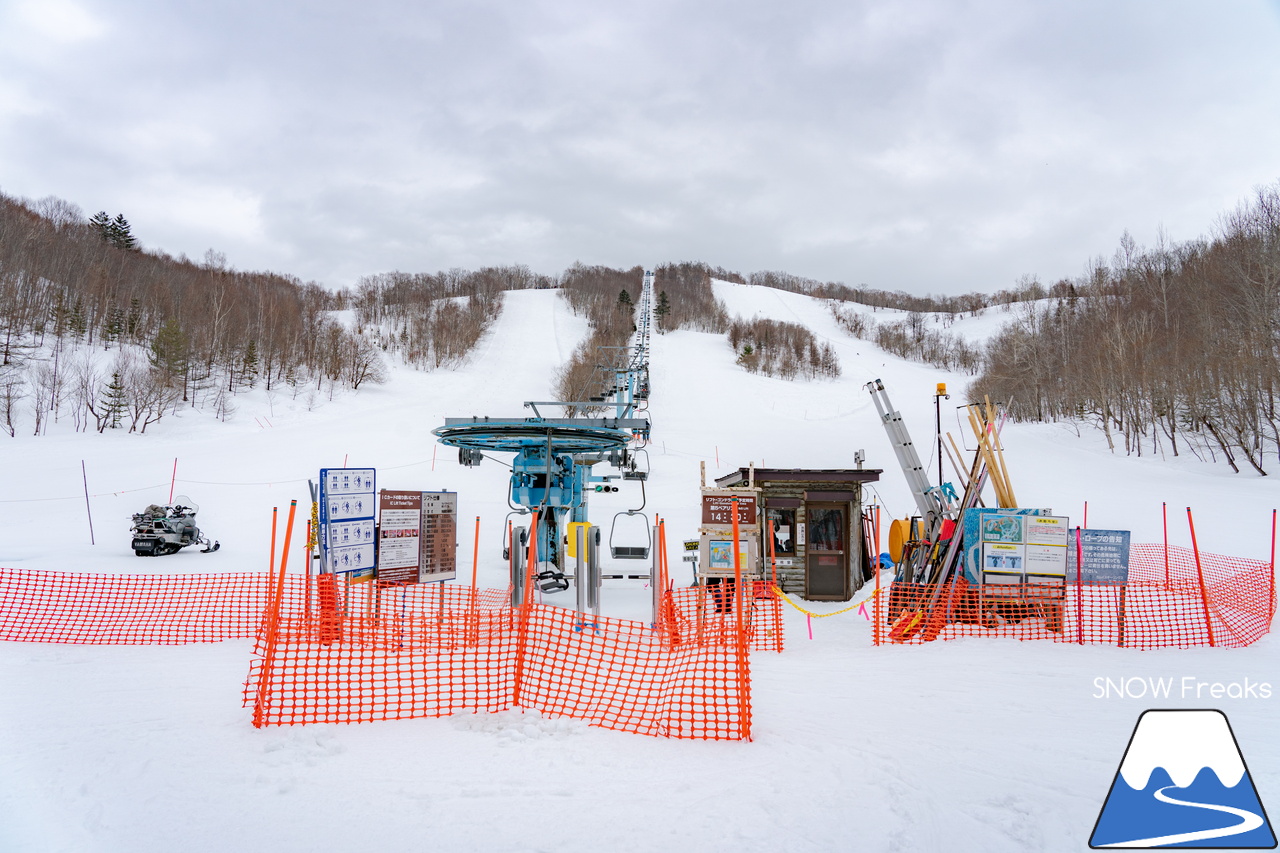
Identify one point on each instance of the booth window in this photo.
(826, 529)
(782, 523)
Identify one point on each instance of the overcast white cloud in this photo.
(926, 146)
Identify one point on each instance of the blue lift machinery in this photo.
(553, 469)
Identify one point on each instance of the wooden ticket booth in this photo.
(814, 518)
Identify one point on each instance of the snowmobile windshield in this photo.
(189, 507)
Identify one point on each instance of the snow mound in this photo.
(519, 726)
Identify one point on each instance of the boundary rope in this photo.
(778, 592)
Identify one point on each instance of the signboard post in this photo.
(1104, 555)
(347, 507)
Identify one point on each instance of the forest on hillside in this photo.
(1173, 349)
(1170, 349)
(183, 333)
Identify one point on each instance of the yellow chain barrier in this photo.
(778, 592)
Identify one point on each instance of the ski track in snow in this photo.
(1248, 822)
(972, 745)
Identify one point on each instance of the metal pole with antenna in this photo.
(937, 411)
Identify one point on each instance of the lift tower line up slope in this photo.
(554, 456)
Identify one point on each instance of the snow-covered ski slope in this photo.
(958, 746)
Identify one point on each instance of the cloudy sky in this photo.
(924, 146)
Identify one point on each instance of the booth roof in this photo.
(800, 475)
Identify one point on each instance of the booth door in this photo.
(827, 552)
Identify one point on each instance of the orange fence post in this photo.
(1204, 592)
(1079, 589)
(773, 558)
(662, 550)
(774, 591)
(1273, 564)
(743, 673)
(737, 569)
(271, 564)
(1164, 520)
(273, 623)
(875, 605)
(284, 553)
(474, 619)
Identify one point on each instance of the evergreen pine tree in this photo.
(75, 319)
(170, 352)
(133, 323)
(101, 224)
(624, 301)
(249, 364)
(663, 309)
(114, 327)
(121, 235)
(59, 313)
(114, 402)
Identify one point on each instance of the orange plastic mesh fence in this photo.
(706, 616)
(426, 651)
(1157, 608)
(69, 607)
(328, 652)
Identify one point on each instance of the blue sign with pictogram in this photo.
(348, 510)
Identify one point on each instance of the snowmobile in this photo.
(165, 529)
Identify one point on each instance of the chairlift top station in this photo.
(554, 456)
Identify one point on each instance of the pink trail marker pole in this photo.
(173, 479)
(1086, 515)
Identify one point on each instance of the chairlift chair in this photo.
(637, 471)
(506, 539)
(630, 552)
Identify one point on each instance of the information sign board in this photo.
(1106, 556)
(399, 534)
(718, 509)
(347, 507)
(439, 556)
(982, 525)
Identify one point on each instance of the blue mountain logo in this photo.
(1183, 783)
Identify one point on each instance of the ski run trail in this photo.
(971, 745)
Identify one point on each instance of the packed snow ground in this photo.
(958, 746)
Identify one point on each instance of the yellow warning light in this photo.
(942, 389)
